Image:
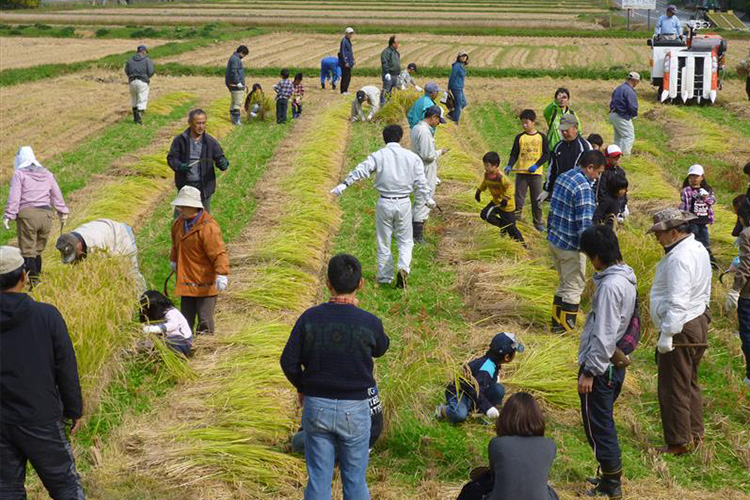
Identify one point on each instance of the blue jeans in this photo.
(743, 314)
(701, 234)
(282, 107)
(459, 406)
(332, 425)
(460, 103)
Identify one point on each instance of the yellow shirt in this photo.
(528, 150)
(500, 188)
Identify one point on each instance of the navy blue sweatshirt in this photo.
(330, 351)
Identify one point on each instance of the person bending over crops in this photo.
(500, 211)
(329, 70)
(41, 393)
(570, 213)
(199, 259)
(698, 198)
(33, 195)
(428, 100)
(163, 318)
(553, 113)
(406, 80)
(398, 174)
(255, 103)
(602, 347)
(369, 93)
(423, 144)
(680, 295)
(520, 456)
(328, 358)
(116, 238)
(194, 157)
(478, 387)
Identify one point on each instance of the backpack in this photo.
(629, 341)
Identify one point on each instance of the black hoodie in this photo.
(38, 373)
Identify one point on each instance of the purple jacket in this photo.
(700, 206)
(33, 186)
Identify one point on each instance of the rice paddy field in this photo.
(218, 426)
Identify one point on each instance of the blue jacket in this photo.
(346, 53)
(416, 112)
(235, 72)
(329, 63)
(624, 102)
(484, 371)
(458, 74)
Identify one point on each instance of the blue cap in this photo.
(431, 87)
(434, 110)
(505, 343)
(142, 48)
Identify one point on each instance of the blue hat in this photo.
(505, 343)
(431, 87)
(434, 110)
(142, 48)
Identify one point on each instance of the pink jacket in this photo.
(33, 186)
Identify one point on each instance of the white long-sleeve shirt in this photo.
(405, 80)
(398, 172)
(423, 144)
(373, 97)
(681, 289)
(104, 234)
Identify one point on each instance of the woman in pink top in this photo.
(33, 195)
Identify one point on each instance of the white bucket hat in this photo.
(696, 170)
(25, 158)
(188, 197)
(10, 259)
(349, 30)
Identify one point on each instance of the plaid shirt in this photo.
(283, 89)
(571, 209)
(297, 92)
(338, 299)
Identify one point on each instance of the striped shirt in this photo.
(571, 209)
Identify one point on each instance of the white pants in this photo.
(139, 94)
(393, 218)
(430, 171)
(624, 132)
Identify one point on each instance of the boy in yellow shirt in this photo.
(500, 211)
(530, 151)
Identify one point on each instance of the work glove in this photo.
(542, 197)
(504, 203)
(430, 203)
(338, 189)
(6, 223)
(64, 218)
(419, 89)
(703, 193)
(387, 77)
(478, 196)
(239, 86)
(223, 163)
(533, 168)
(732, 298)
(665, 344)
(184, 167)
(507, 170)
(625, 212)
(152, 329)
(221, 282)
(492, 413)
(173, 265)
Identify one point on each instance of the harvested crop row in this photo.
(24, 52)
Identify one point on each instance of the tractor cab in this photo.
(689, 68)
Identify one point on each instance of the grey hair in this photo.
(195, 112)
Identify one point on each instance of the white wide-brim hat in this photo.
(188, 197)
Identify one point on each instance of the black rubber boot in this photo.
(136, 116)
(418, 232)
(401, 278)
(39, 264)
(235, 113)
(557, 326)
(31, 271)
(568, 316)
(608, 486)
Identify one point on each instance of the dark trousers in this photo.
(282, 107)
(535, 184)
(701, 234)
(598, 420)
(203, 308)
(747, 87)
(680, 397)
(346, 78)
(296, 110)
(743, 314)
(50, 453)
(506, 221)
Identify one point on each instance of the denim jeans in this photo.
(282, 106)
(332, 425)
(701, 234)
(460, 103)
(459, 406)
(743, 314)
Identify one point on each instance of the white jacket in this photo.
(105, 234)
(423, 144)
(373, 97)
(681, 289)
(398, 172)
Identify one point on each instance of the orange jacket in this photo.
(200, 256)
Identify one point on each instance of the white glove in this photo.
(151, 329)
(6, 223)
(387, 77)
(493, 413)
(703, 192)
(240, 86)
(338, 189)
(430, 203)
(221, 283)
(732, 298)
(625, 212)
(172, 265)
(64, 218)
(419, 89)
(542, 196)
(665, 344)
